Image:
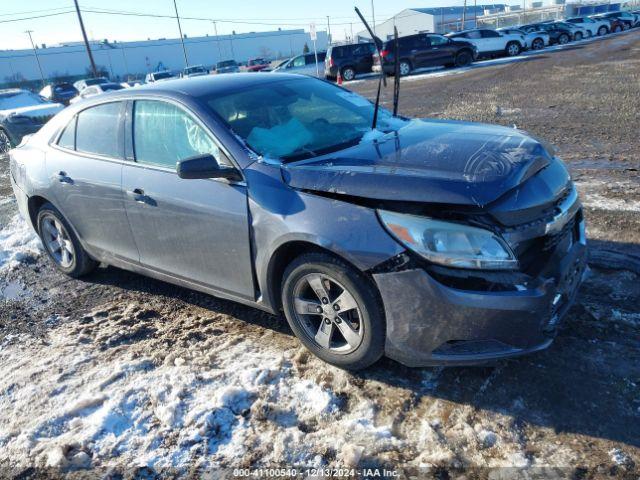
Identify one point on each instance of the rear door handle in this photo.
(63, 178)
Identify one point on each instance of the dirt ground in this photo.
(164, 379)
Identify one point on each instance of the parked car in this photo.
(159, 76)
(491, 43)
(59, 92)
(615, 24)
(348, 60)
(257, 64)
(227, 66)
(96, 90)
(628, 19)
(593, 26)
(194, 71)
(430, 241)
(22, 113)
(424, 50)
(578, 32)
(87, 82)
(303, 64)
(558, 34)
(533, 40)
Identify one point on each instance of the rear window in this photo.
(68, 137)
(65, 87)
(227, 63)
(113, 86)
(97, 130)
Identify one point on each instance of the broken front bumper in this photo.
(430, 323)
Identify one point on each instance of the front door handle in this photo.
(63, 178)
(138, 195)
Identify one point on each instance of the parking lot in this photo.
(128, 374)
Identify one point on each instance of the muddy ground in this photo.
(118, 345)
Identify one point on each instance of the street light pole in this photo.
(184, 49)
(215, 29)
(86, 41)
(373, 17)
(328, 31)
(35, 52)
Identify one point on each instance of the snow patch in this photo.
(18, 243)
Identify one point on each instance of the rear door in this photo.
(194, 230)
(493, 40)
(85, 168)
(363, 57)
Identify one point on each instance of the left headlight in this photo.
(450, 244)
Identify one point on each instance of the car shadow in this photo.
(583, 384)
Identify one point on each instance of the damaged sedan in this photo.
(429, 241)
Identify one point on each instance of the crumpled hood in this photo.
(433, 161)
(44, 109)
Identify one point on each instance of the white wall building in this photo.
(120, 59)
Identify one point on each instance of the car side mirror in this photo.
(205, 166)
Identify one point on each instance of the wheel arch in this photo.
(282, 256)
(34, 204)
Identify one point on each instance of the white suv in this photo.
(592, 26)
(489, 42)
(534, 40)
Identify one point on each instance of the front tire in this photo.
(334, 310)
(563, 39)
(603, 31)
(578, 36)
(5, 143)
(513, 49)
(61, 244)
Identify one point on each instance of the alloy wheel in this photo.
(537, 44)
(405, 68)
(57, 242)
(564, 39)
(578, 36)
(602, 31)
(5, 143)
(328, 313)
(348, 74)
(513, 50)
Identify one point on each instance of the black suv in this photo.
(348, 60)
(558, 33)
(425, 50)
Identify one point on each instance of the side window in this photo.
(97, 130)
(68, 137)
(299, 61)
(473, 34)
(164, 134)
(438, 40)
(489, 34)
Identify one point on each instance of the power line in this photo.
(34, 17)
(33, 11)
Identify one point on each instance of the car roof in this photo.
(208, 85)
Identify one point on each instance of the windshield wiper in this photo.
(302, 154)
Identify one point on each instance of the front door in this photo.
(85, 168)
(195, 230)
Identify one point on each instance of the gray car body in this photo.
(233, 239)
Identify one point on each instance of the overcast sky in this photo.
(238, 15)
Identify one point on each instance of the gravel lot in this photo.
(121, 374)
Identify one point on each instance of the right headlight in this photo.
(450, 244)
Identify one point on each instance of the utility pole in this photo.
(373, 17)
(464, 15)
(475, 12)
(35, 52)
(184, 49)
(328, 31)
(86, 41)
(215, 29)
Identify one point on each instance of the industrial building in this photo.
(122, 59)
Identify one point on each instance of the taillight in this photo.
(331, 61)
(384, 53)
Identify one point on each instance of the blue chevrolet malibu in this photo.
(433, 242)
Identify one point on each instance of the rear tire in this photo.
(61, 243)
(463, 59)
(513, 49)
(405, 68)
(577, 37)
(537, 44)
(563, 39)
(348, 74)
(323, 297)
